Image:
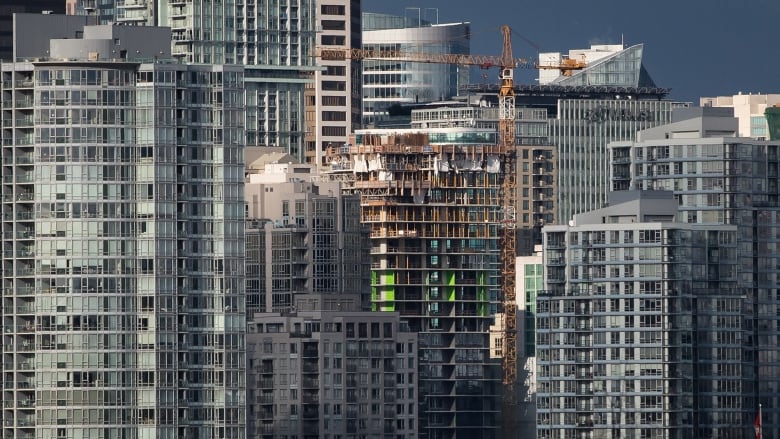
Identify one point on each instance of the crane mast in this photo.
(506, 128)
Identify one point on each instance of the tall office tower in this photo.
(581, 132)
(388, 83)
(638, 327)
(303, 236)
(330, 372)
(748, 109)
(432, 202)
(337, 82)
(718, 178)
(122, 230)
(582, 128)
(273, 40)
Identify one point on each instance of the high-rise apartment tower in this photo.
(122, 233)
(637, 329)
(720, 178)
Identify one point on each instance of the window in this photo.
(333, 40)
(337, 101)
(334, 86)
(334, 115)
(336, 71)
(332, 10)
(333, 24)
(334, 131)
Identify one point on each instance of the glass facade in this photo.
(124, 250)
(530, 283)
(758, 127)
(272, 39)
(581, 132)
(638, 332)
(388, 83)
(532, 276)
(624, 69)
(727, 181)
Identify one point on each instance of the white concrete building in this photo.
(337, 103)
(595, 53)
(749, 111)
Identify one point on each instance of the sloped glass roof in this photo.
(623, 68)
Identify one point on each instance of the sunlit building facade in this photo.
(303, 237)
(273, 40)
(749, 110)
(122, 230)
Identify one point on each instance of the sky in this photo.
(695, 47)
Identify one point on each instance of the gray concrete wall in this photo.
(111, 42)
(32, 32)
(140, 42)
(80, 49)
(66, 37)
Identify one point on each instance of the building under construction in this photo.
(432, 201)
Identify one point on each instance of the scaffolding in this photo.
(435, 214)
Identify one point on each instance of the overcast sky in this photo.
(695, 47)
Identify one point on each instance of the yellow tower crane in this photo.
(506, 139)
(506, 132)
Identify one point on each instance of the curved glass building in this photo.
(388, 82)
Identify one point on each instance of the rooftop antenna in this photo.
(622, 44)
(419, 14)
(436, 10)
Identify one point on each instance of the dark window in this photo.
(332, 40)
(332, 10)
(333, 24)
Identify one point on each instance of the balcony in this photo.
(310, 412)
(25, 309)
(24, 103)
(25, 421)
